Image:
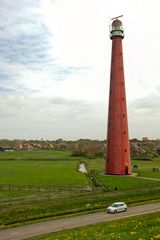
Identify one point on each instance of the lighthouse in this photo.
(118, 147)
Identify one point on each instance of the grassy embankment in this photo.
(134, 228)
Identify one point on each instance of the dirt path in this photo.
(153, 179)
(36, 229)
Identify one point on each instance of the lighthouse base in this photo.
(117, 174)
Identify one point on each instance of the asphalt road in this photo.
(19, 233)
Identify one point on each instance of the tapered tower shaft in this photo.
(118, 148)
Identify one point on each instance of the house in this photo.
(6, 149)
(17, 146)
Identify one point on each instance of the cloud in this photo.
(144, 116)
(149, 103)
(55, 66)
(26, 49)
(27, 52)
(26, 116)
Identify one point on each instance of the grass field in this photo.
(58, 168)
(135, 228)
(36, 155)
(145, 169)
(57, 173)
(126, 182)
(40, 167)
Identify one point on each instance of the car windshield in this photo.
(114, 205)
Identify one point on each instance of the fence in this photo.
(48, 188)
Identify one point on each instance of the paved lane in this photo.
(36, 229)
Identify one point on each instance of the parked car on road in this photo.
(117, 207)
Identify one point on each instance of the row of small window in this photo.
(120, 67)
(122, 98)
(122, 115)
(124, 149)
(122, 83)
(119, 53)
(123, 133)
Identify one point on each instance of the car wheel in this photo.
(115, 211)
(125, 209)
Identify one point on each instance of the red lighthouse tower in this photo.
(118, 148)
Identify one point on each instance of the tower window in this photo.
(122, 83)
(122, 99)
(123, 115)
(121, 68)
(124, 132)
(125, 150)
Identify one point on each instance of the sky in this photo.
(55, 66)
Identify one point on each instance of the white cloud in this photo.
(25, 116)
(57, 51)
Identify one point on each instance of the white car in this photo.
(117, 207)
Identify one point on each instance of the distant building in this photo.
(6, 149)
(145, 139)
(17, 146)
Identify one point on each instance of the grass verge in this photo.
(135, 228)
(44, 209)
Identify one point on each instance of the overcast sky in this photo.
(55, 65)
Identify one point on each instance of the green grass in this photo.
(64, 173)
(40, 168)
(36, 155)
(134, 228)
(128, 182)
(57, 173)
(58, 168)
(97, 164)
(146, 168)
(8, 195)
(45, 206)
